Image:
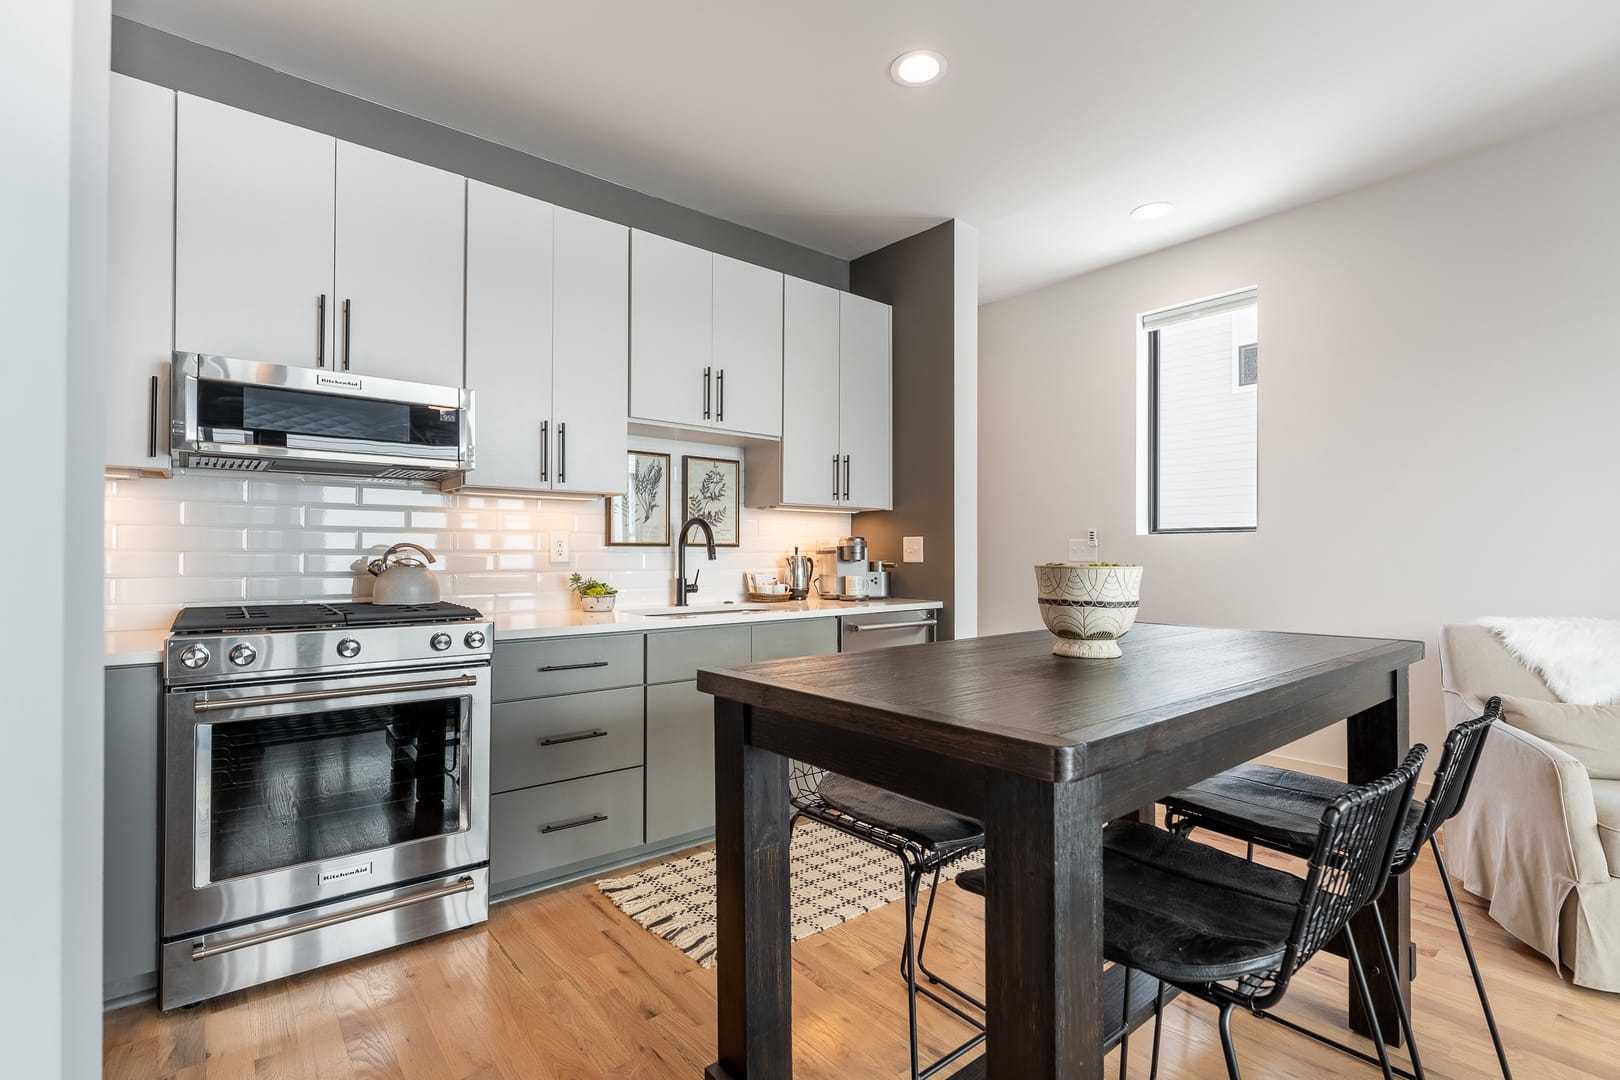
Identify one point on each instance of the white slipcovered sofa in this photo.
(1538, 838)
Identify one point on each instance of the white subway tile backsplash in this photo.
(202, 538)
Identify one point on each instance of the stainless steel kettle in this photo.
(801, 574)
(403, 579)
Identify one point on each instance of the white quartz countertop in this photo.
(133, 648)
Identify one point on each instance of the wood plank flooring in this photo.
(562, 986)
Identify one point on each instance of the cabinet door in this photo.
(253, 214)
(130, 857)
(747, 347)
(810, 385)
(401, 234)
(509, 285)
(865, 410)
(680, 761)
(590, 380)
(140, 272)
(671, 331)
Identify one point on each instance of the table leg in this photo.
(753, 980)
(1376, 741)
(1043, 929)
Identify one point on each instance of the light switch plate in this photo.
(559, 547)
(912, 549)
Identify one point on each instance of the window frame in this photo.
(1152, 425)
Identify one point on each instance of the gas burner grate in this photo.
(258, 618)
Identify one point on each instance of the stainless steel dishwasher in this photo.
(885, 629)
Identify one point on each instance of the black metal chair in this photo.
(1276, 808)
(1232, 932)
(925, 839)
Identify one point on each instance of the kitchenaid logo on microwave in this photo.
(347, 382)
(346, 873)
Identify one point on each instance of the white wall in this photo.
(1439, 411)
(53, 77)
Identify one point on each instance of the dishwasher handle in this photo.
(854, 628)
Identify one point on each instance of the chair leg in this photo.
(1158, 1027)
(908, 968)
(922, 947)
(1402, 1009)
(1473, 964)
(1125, 1028)
(1232, 1071)
(1360, 974)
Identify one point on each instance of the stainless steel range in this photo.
(326, 786)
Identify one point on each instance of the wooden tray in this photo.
(768, 598)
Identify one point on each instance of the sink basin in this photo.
(692, 611)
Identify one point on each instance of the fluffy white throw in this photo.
(1578, 658)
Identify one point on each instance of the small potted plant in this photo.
(593, 595)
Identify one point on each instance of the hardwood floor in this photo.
(562, 986)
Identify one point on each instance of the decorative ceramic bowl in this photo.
(598, 603)
(1089, 606)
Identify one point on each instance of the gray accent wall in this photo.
(158, 57)
(930, 280)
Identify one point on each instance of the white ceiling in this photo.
(1055, 118)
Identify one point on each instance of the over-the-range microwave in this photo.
(252, 417)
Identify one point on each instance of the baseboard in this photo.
(129, 991)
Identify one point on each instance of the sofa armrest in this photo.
(1537, 800)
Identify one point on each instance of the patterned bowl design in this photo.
(1088, 605)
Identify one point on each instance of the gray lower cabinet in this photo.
(134, 740)
(541, 831)
(680, 761)
(802, 637)
(543, 740)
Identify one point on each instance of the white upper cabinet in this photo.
(865, 407)
(837, 448)
(747, 352)
(671, 331)
(590, 380)
(810, 446)
(253, 236)
(400, 237)
(509, 286)
(140, 273)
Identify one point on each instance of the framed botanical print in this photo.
(711, 490)
(640, 517)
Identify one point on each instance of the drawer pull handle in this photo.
(202, 951)
(559, 826)
(912, 624)
(575, 667)
(578, 736)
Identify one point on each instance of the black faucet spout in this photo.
(682, 588)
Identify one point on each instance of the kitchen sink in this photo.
(693, 611)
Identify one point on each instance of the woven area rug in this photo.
(835, 878)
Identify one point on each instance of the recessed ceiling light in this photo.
(1152, 211)
(917, 68)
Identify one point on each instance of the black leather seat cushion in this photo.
(1185, 912)
(1279, 808)
(920, 822)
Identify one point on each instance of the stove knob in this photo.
(475, 639)
(348, 648)
(194, 656)
(244, 654)
(440, 641)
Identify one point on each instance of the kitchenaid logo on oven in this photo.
(346, 873)
(347, 382)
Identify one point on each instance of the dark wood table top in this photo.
(1008, 701)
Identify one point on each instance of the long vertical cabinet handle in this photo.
(562, 453)
(151, 421)
(320, 331)
(846, 477)
(707, 375)
(720, 396)
(545, 449)
(345, 335)
(835, 478)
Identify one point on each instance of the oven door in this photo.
(286, 795)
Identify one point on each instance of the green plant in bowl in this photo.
(590, 586)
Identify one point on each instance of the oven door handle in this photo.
(336, 692)
(460, 885)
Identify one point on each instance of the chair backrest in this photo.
(1355, 852)
(1452, 778)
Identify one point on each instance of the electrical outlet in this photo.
(559, 547)
(911, 549)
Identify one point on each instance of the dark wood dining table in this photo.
(1044, 750)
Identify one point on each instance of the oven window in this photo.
(295, 789)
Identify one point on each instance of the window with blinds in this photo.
(1203, 373)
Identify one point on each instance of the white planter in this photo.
(597, 603)
(1089, 606)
